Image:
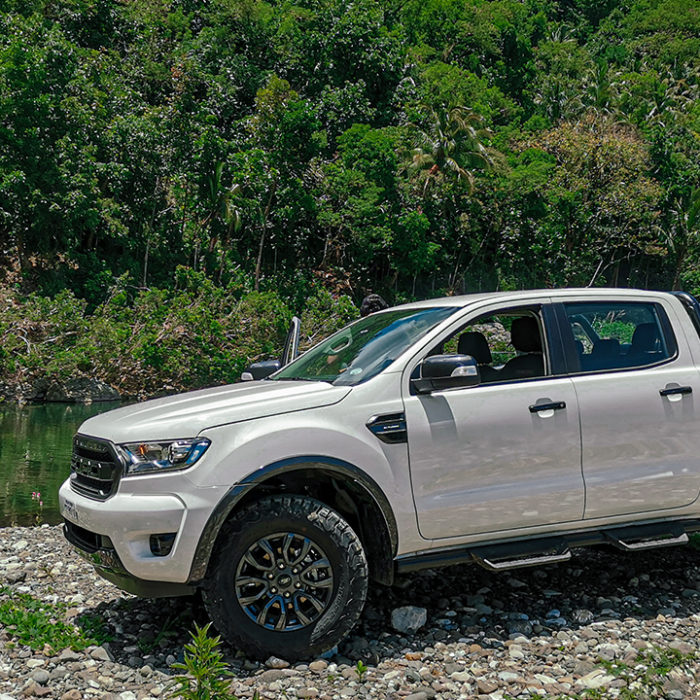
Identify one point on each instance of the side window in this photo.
(506, 345)
(618, 335)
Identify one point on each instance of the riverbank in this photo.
(141, 344)
(552, 631)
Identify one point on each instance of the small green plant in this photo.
(206, 675)
(36, 623)
(360, 670)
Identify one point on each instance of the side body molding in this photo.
(238, 491)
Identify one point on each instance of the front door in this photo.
(487, 458)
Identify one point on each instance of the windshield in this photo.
(360, 351)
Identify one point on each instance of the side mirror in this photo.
(446, 372)
(260, 370)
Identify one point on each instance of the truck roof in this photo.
(524, 294)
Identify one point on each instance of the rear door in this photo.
(638, 393)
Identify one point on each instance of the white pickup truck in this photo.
(502, 429)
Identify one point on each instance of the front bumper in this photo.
(115, 535)
(108, 565)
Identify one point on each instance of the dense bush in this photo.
(159, 341)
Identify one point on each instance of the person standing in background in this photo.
(372, 303)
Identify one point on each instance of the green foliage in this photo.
(147, 342)
(411, 148)
(323, 315)
(36, 623)
(206, 675)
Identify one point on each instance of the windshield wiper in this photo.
(303, 379)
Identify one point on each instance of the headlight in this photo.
(144, 457)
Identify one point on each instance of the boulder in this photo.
(408, 619)
(80, 390)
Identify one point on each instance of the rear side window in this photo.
(619, 335)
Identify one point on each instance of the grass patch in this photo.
(645, 679)
(36, 623)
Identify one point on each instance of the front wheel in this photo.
(288, 578)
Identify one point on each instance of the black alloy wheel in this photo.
(288, 577)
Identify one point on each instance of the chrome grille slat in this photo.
(95, 469)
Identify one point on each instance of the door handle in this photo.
(676, 390)
(551, 406)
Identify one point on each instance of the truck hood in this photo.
(186, 415)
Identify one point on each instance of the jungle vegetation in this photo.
(181, 176)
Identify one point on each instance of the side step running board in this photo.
(500, 557)
(518, 554)
(521, 562)
(671, 540)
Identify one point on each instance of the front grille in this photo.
(95, 469)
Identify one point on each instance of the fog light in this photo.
(162, 544)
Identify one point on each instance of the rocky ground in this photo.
(544, 632)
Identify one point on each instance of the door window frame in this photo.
(552, 350)
(571, 356)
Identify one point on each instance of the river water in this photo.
(35, 450)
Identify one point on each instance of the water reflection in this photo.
(35, 447)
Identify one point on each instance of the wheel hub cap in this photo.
(284, 582)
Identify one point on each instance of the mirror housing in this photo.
(260, 370)
(440, 372)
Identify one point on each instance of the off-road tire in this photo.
(323, 526)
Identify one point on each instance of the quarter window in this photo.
(618, 335)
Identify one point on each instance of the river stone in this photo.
(275, 662)
(508, 676)
(72, 695)
(15, 576)
(486, 687)
(408, 619)
(41, 676)
(100, 654)
(595, 679)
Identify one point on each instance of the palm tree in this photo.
(684, 232)
(450, 144)
(220, 204)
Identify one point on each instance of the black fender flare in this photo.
(236, 493)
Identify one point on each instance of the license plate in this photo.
(70, 510)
